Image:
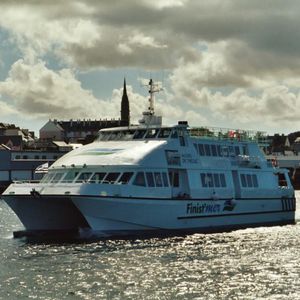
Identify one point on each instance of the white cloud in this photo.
(235, 61)
(36, 90)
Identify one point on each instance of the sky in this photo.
(221, 63)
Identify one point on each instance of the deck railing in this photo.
(229, 134)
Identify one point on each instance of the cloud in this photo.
(39, 91)
(260, 37)
(227, 60)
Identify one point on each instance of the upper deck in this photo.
(182, 129)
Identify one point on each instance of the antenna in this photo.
(153, 88)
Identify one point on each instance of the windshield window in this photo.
(47, 178)
(164, 133)
(111, 177)
(57, 177)
(97, 177)
(125, 177)
(84, 177)
(139, 134)
(151, 133)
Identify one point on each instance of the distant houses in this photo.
(284, 144)
(79, 131)
(15, 138)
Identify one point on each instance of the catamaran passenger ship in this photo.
(154, 178)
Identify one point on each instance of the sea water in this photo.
(260, 263)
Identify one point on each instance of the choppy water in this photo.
(261, 263)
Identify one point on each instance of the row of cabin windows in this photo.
(213, 180)
(98, 177)
(151, 179)
(124, 135)
(35, 157)
(219, 150)
(249, 180)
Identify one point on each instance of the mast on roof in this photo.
(149, 117)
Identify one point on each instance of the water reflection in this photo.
(260, 263)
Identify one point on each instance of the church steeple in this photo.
(125, 118)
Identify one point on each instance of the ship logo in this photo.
(229, 205)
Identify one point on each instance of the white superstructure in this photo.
(158, 178)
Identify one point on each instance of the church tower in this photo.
(125, 118)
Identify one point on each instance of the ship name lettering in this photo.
(200, 208)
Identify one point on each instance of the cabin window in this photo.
(70, 176)
(139, 134)
(207, 150)
(174, 179)
(111, 177)
(113, 136)
(139, 179)
(237, 150)
(201, 149)
(84, 177)
(25, 156)
(57, 177)
(36, 157)
(103, 136)
(158, 180)
(125, 178)
(214, 150)
(282, 180)
(216, 180)
(119, 136)
(203, 180)
(174, 134)
(213, 180)
(47, 178)
(18, 156)
(165, 179)
(249, 180)
(164, 133)
(254, 180)
(150, 179)
(181, 140)
(219, 150)
(243, 180)
(98, 177)
(128, 135)
(222, 180)
(231, 151)
(151, 133)
(224, 151)
(245, 150)
(209, 179)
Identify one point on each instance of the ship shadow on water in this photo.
(88, 236)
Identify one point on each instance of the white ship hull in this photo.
(126, 216)
(45, 213)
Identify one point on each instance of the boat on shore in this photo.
(153, 178)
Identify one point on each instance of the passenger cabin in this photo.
(184, 163)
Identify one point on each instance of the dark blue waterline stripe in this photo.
(238, 214)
